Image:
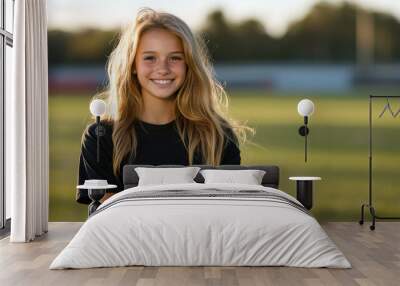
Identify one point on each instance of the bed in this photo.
(201, 224)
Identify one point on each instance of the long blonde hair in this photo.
(201, 102)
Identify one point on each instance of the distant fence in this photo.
(266, 76)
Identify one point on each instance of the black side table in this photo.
(96, 190)
(95, 195)
(304, 190)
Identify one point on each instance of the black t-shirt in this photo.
(156, 145)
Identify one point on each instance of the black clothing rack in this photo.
(370, 203)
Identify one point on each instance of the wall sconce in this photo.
(305, 109)
(98, 108)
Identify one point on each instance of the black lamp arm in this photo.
(98, 139)
(100, 131)
(303, 131)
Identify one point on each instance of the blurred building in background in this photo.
(280, 77)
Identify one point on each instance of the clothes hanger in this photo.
(388, 107)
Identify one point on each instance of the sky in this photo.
(275, 15)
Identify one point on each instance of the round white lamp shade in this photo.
(97, 107)
(305, 107)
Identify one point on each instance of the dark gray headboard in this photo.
(270, 179)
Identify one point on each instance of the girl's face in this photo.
(160, 63)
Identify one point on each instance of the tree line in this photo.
(326, 34)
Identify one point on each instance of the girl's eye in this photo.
(152, 58)
(176, 59)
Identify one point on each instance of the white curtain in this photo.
(27, 148)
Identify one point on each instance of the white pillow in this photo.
(249, 177)
(162, 176)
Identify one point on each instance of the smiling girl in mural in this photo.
(164, 105)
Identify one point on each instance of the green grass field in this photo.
(338, 149)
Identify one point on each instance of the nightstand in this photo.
(304, 190)
(96, 190)
(95, 195)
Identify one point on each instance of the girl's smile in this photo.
(162, 82)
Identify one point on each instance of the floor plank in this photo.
(375, 257)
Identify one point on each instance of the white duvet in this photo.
(183, 231)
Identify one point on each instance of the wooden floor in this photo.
(374, 255)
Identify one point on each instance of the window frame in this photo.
(6, 39)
